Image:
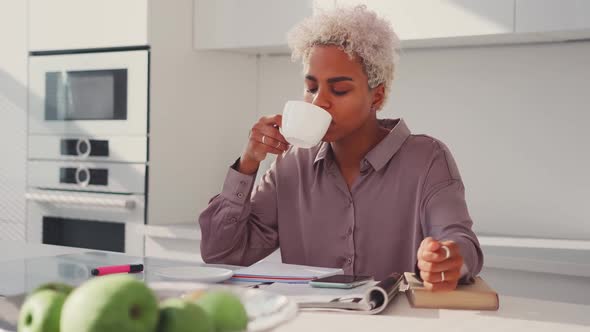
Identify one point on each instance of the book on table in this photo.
(475, 296)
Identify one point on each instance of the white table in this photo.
(532, 309)
(515, 314)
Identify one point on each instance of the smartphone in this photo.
(340, 281)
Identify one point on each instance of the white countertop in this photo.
(13, 250)
(528, 302)
(515, 314)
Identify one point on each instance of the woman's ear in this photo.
(378, 96)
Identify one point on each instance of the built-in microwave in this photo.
(89, 94)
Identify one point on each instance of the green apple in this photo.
(56, 286)
(117, 302)
(178, 315)
(225, 309)
(41, 311)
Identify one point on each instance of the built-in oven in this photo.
(89, 94)
(88, 149)
(112, 222)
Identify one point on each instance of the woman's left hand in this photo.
(439, 271)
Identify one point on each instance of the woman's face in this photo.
(339, 85)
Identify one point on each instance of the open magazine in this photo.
(367, 299)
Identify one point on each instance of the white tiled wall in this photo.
(13, 107)
(12, 230)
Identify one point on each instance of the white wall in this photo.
(13, 103)
(515, 118)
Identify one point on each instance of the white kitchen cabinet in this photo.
(261, 26)
(83, 24)
(426, 19)
(252, 26)
(552, 15)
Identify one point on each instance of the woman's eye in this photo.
(340, 93)
(310, 90)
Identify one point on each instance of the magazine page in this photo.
(371, 298)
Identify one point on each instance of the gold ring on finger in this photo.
(263, 139)
(442, 276)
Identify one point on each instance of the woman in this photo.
(371, 198)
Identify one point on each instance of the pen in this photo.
(129, 268)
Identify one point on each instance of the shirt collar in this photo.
(382, 152)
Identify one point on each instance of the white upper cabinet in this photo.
(552, 15)
(82, 24)
(260, 26)
(427, 19)
(249, 25)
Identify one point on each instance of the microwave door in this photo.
(93, 94)
(63, 96)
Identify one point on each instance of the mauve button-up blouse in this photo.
(409, 188)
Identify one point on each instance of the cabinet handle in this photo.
(84, 201)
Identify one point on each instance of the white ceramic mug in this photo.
(304, 124)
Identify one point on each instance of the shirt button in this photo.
(240, 195)
(233, 219)
(349, 260)
(349, 231)
(243, 183)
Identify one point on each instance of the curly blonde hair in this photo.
(358, 32)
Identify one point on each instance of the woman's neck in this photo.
(350, 150)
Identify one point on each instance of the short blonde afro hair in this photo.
(358, 32)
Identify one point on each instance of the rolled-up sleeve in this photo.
(444, 210)
(239, 226)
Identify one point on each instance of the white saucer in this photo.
(194, 273)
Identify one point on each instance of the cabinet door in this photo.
(81, 24)
(425, 19)
(238, 24)
(552, 15)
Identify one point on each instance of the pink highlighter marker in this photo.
(129, 268)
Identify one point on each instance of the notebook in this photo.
(476, 296)
(284, 273)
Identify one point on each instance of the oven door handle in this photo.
(84, 201)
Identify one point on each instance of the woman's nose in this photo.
(322, 100)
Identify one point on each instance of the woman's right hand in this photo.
(264, 138)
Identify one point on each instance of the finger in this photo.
(448, 264)
(430, 244)
(260, 147)
(276, 119)
(430, 250)
(441, 254)
(269, 141)
(433, 246)
(435, 277)
(440, 286)
(271, 132)
(423, 244)
(447, 250)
